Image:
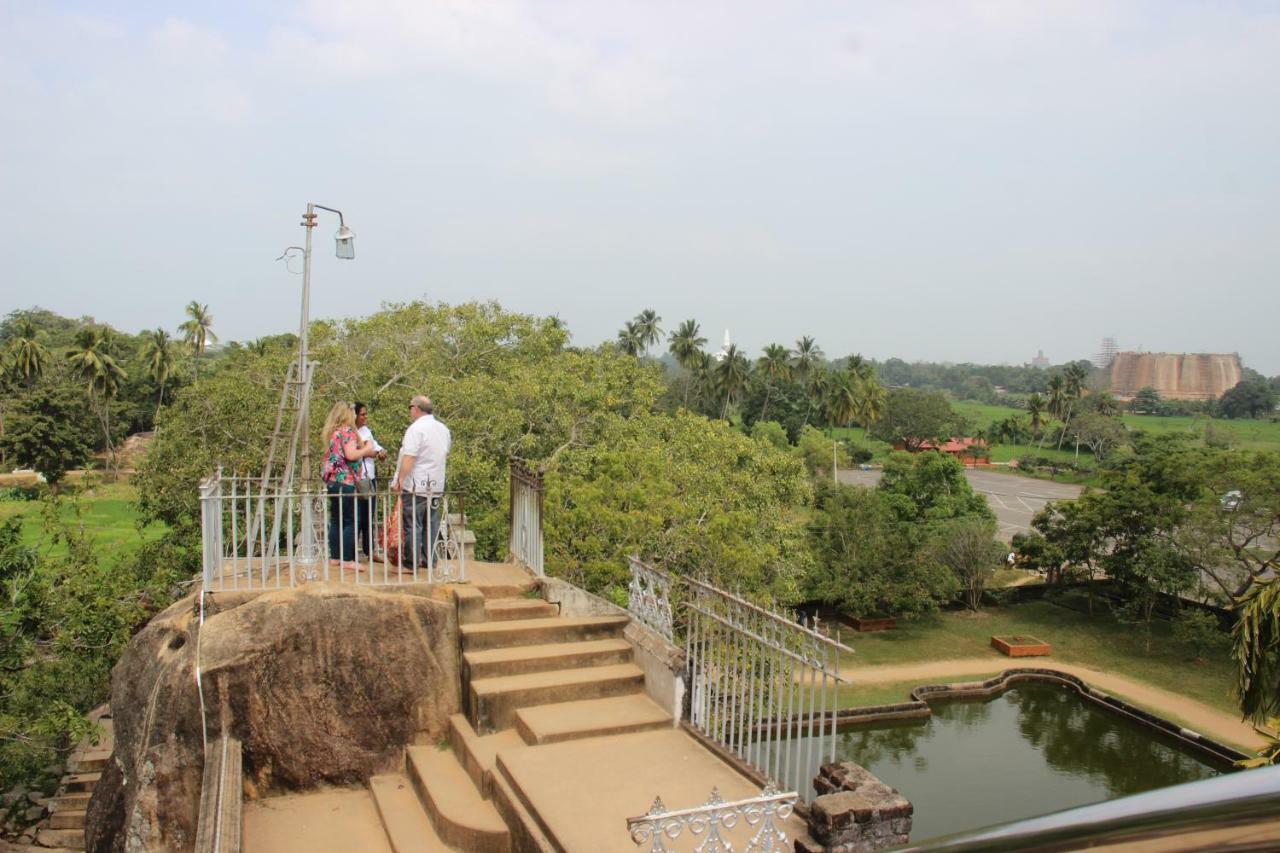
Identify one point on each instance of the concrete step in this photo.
(81, 781)
(494, 701)
(67, 820)
(516, 660)
(460, 815)
(614, 715)
(528, 632)
(527, 832)
(510, 609)
(73, 838)
(478, 753)
(409, 830)
(93, 760)
(71, 802)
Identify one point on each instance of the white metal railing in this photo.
(262, 533)
(762, 684)
(649, 598)
(526, 517)
(712, 823)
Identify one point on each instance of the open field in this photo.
(108, 512)
(1099, 643)
(1245, 434)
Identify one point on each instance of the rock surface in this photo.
(322, 684)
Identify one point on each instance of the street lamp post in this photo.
(835, 480)
(308, 549)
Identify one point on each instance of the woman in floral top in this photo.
(340, 475)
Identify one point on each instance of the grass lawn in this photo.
(1246, 434)
(1099, 642)
(108, 512)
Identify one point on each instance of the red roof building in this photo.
(957, 447)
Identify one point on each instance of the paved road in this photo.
(1015, 499)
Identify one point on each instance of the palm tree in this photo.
(807, 357)
(844, 398)
(685, 341)
(27, 356)
(874, 402)
(731, 375)
(860, 367)
(774, 365)
(1036, 409)
(648, 329)
(1057, 391)
(630, 340)
(1073, 388)
(818, 387)
(1256, 649)
(702, 376)
(161, 355)
(197, 331)
(92, 361)
(684, 344)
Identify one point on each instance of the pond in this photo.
(1035, 749)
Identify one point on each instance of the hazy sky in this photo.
(930, 180)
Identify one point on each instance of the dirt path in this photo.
(1198, 716)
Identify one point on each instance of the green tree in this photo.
(808, 355)
(1255, 646)
(817, 385)
(930, 487)
(49, 432)
(27, 356)
(91, 360)
(1036, 407)
(631, 339)
(1247, 399)
(685, 344)
(692, 495)
(647, 328)
(771, 433)
(1199, 631)
(197, 332)
(731, 376)
(915, 417)
(1073, 379)
(968, 549)
(161, 356)
(868, 563)
(1146, 400)
(1100, 433)
(773, 367)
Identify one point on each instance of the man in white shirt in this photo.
(420, 479)
(367, 485)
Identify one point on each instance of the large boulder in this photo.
(322, 684)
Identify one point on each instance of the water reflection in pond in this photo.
(1037, 748)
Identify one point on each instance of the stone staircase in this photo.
(530, 677)
(65, 827)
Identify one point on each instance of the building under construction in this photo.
(1177, 376)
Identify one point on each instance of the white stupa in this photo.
(724, 350)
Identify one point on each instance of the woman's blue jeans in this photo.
(342, 521)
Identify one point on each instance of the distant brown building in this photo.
(957, 447)
(1177, 376)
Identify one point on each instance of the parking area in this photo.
(1014, 499)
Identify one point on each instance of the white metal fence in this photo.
(763, 682)
(712, 824)
(526, 517)
(261, 533)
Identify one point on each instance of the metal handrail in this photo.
(242, 549)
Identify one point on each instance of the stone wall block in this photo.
(855, 812)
